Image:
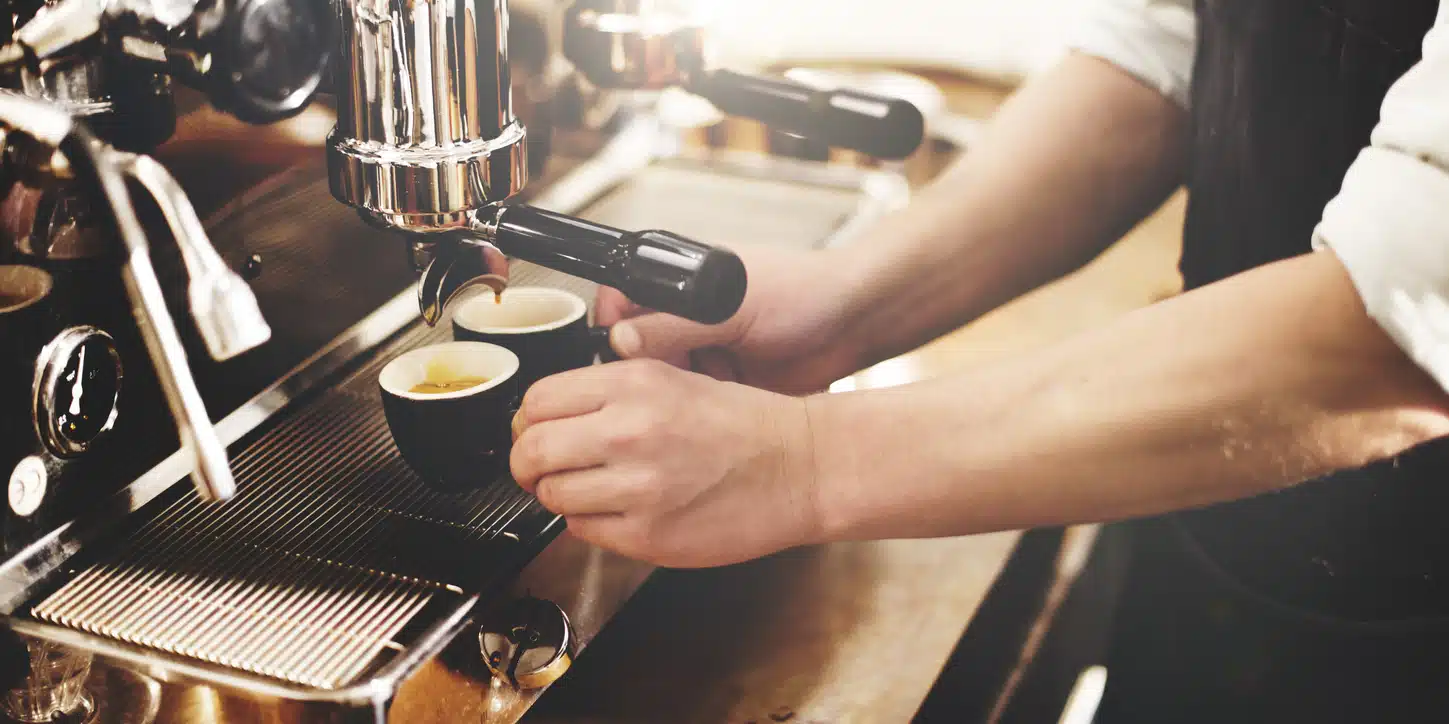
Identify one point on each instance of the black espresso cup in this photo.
(547, 328)
(456, 440)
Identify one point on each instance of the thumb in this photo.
(666, 337)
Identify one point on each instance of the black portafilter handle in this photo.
(655, 269)
(879, 126)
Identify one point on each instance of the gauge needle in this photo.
(78, 388)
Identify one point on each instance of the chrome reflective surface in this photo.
(78, 87)
(51, 416)
(425, 131)
(52, 223)
(633, 44)
(54, 29)
(528, 642)
(458, 267)
(223, 306)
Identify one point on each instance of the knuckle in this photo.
(643, 372)
(637, 432)
(547, 495)
(622, 439)
(535, 397)
(528, 453)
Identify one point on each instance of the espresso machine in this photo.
(203, 496)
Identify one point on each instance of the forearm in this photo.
(1264, 380)
(1067, 166)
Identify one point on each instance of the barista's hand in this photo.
(787, 337)
(668, 466)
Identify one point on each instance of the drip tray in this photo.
(330, 560)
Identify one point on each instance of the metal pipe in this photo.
(222, 304)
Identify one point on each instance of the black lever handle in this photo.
(656, 269)
(887, 128)
(269, 58)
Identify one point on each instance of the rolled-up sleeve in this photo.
(1155, 41)
(1389, 224)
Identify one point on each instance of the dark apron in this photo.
(1328, 602)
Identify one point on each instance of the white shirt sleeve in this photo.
(1390, 222)
(1155, 41)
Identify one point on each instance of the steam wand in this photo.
(225, 310)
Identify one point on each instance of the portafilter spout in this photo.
(427, 144)
(450, 268)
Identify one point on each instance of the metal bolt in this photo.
(27, 486)
(253, 268)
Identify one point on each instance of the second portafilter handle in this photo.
(886, 128)
(637, 45)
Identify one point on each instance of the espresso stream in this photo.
(443, 387)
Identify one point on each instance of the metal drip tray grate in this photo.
(315, 570)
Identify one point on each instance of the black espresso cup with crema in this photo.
(459, 439)
(547, 328)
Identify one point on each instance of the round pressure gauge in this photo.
(77, 387)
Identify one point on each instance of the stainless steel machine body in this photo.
(324, 505)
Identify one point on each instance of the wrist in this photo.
(853, 288)
(832, 467)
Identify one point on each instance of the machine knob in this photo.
(77, 388)
(528, 643)
(269, 58)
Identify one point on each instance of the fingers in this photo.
(613, 531)
(612, 307)
(715, 363)
(559, 446)
(567, 394)
(667, 337)
(595, 491)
